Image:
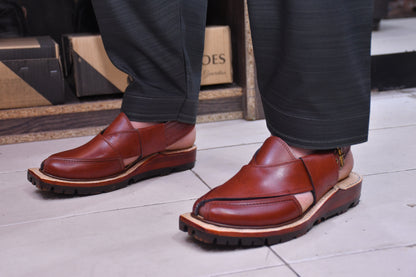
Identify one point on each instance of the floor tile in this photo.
(228, 133)
(215, 166)
(134, 232)
(21, 201)
(398, 109)
(132, 242)
(398, 262)
(385, 217)
(263, 272)
(19, 157)
(387, 150)
(394, 36)
(380, 154)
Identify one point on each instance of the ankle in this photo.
(300, 152)
(345, 169)
(185, 142)
(142, 124)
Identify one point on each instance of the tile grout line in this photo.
(229, 146)
(284, 261)
(196, 174)
(389, 172)
(391, 127)
(203, 149)
(16, 171)
(91, 213)
(246, 270)
(351, 253)
(395, 93)
(200, 178)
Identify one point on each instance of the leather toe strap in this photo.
(263, 191)
(105, 154)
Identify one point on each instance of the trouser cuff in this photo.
(138, 108)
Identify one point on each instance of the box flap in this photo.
(28, 48)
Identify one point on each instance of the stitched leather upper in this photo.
(261, 193)
(104, 155)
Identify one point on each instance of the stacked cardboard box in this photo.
(92, 73)
(30, 73)
(88, 67)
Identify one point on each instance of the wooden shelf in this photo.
(89, 116)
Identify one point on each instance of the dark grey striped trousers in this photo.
(312, 56)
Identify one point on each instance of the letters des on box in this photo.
(216, 61)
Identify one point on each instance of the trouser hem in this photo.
(159, 109)
(312, 133)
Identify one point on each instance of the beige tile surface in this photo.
(134, 231)
(387, 150)
(283, 271)
(398, 262)
(22, 202)
(230, 133)
(393, 109)
(383, 219)
(141, 241)
(394, 36)
(21, 156)
(216, 166)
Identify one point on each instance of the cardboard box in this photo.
(88, 67)
(30, 73)
(216, 62)
(91, 72)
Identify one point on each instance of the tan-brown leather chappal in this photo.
(118, 156)
(258, 207)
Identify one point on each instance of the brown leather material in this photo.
(261, 193)
(175, 130)
(323, 172)
(152, 139)
(255, 181)
(343, 196)
(273, 152)
(249, 213)
(104, 155)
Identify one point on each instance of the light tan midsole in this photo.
(352, 180)
(44, 177)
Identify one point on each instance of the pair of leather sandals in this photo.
(256, 207)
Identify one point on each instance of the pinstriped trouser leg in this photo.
(160, 44)
(312, 61)
(313, 64)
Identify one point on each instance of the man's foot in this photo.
(278, 196)
(120, 155)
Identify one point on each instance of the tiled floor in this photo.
(134, 231)
(394, 36)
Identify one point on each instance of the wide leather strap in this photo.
(106, 153)
(262, 192)
(130, 142)
(323, 172)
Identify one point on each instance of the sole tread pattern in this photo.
(68, 190)
(253, 241)
(343, 196)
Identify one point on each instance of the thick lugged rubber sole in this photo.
(343, 196)
(155, 165)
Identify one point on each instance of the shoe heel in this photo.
(167, 162)
(346, 197)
